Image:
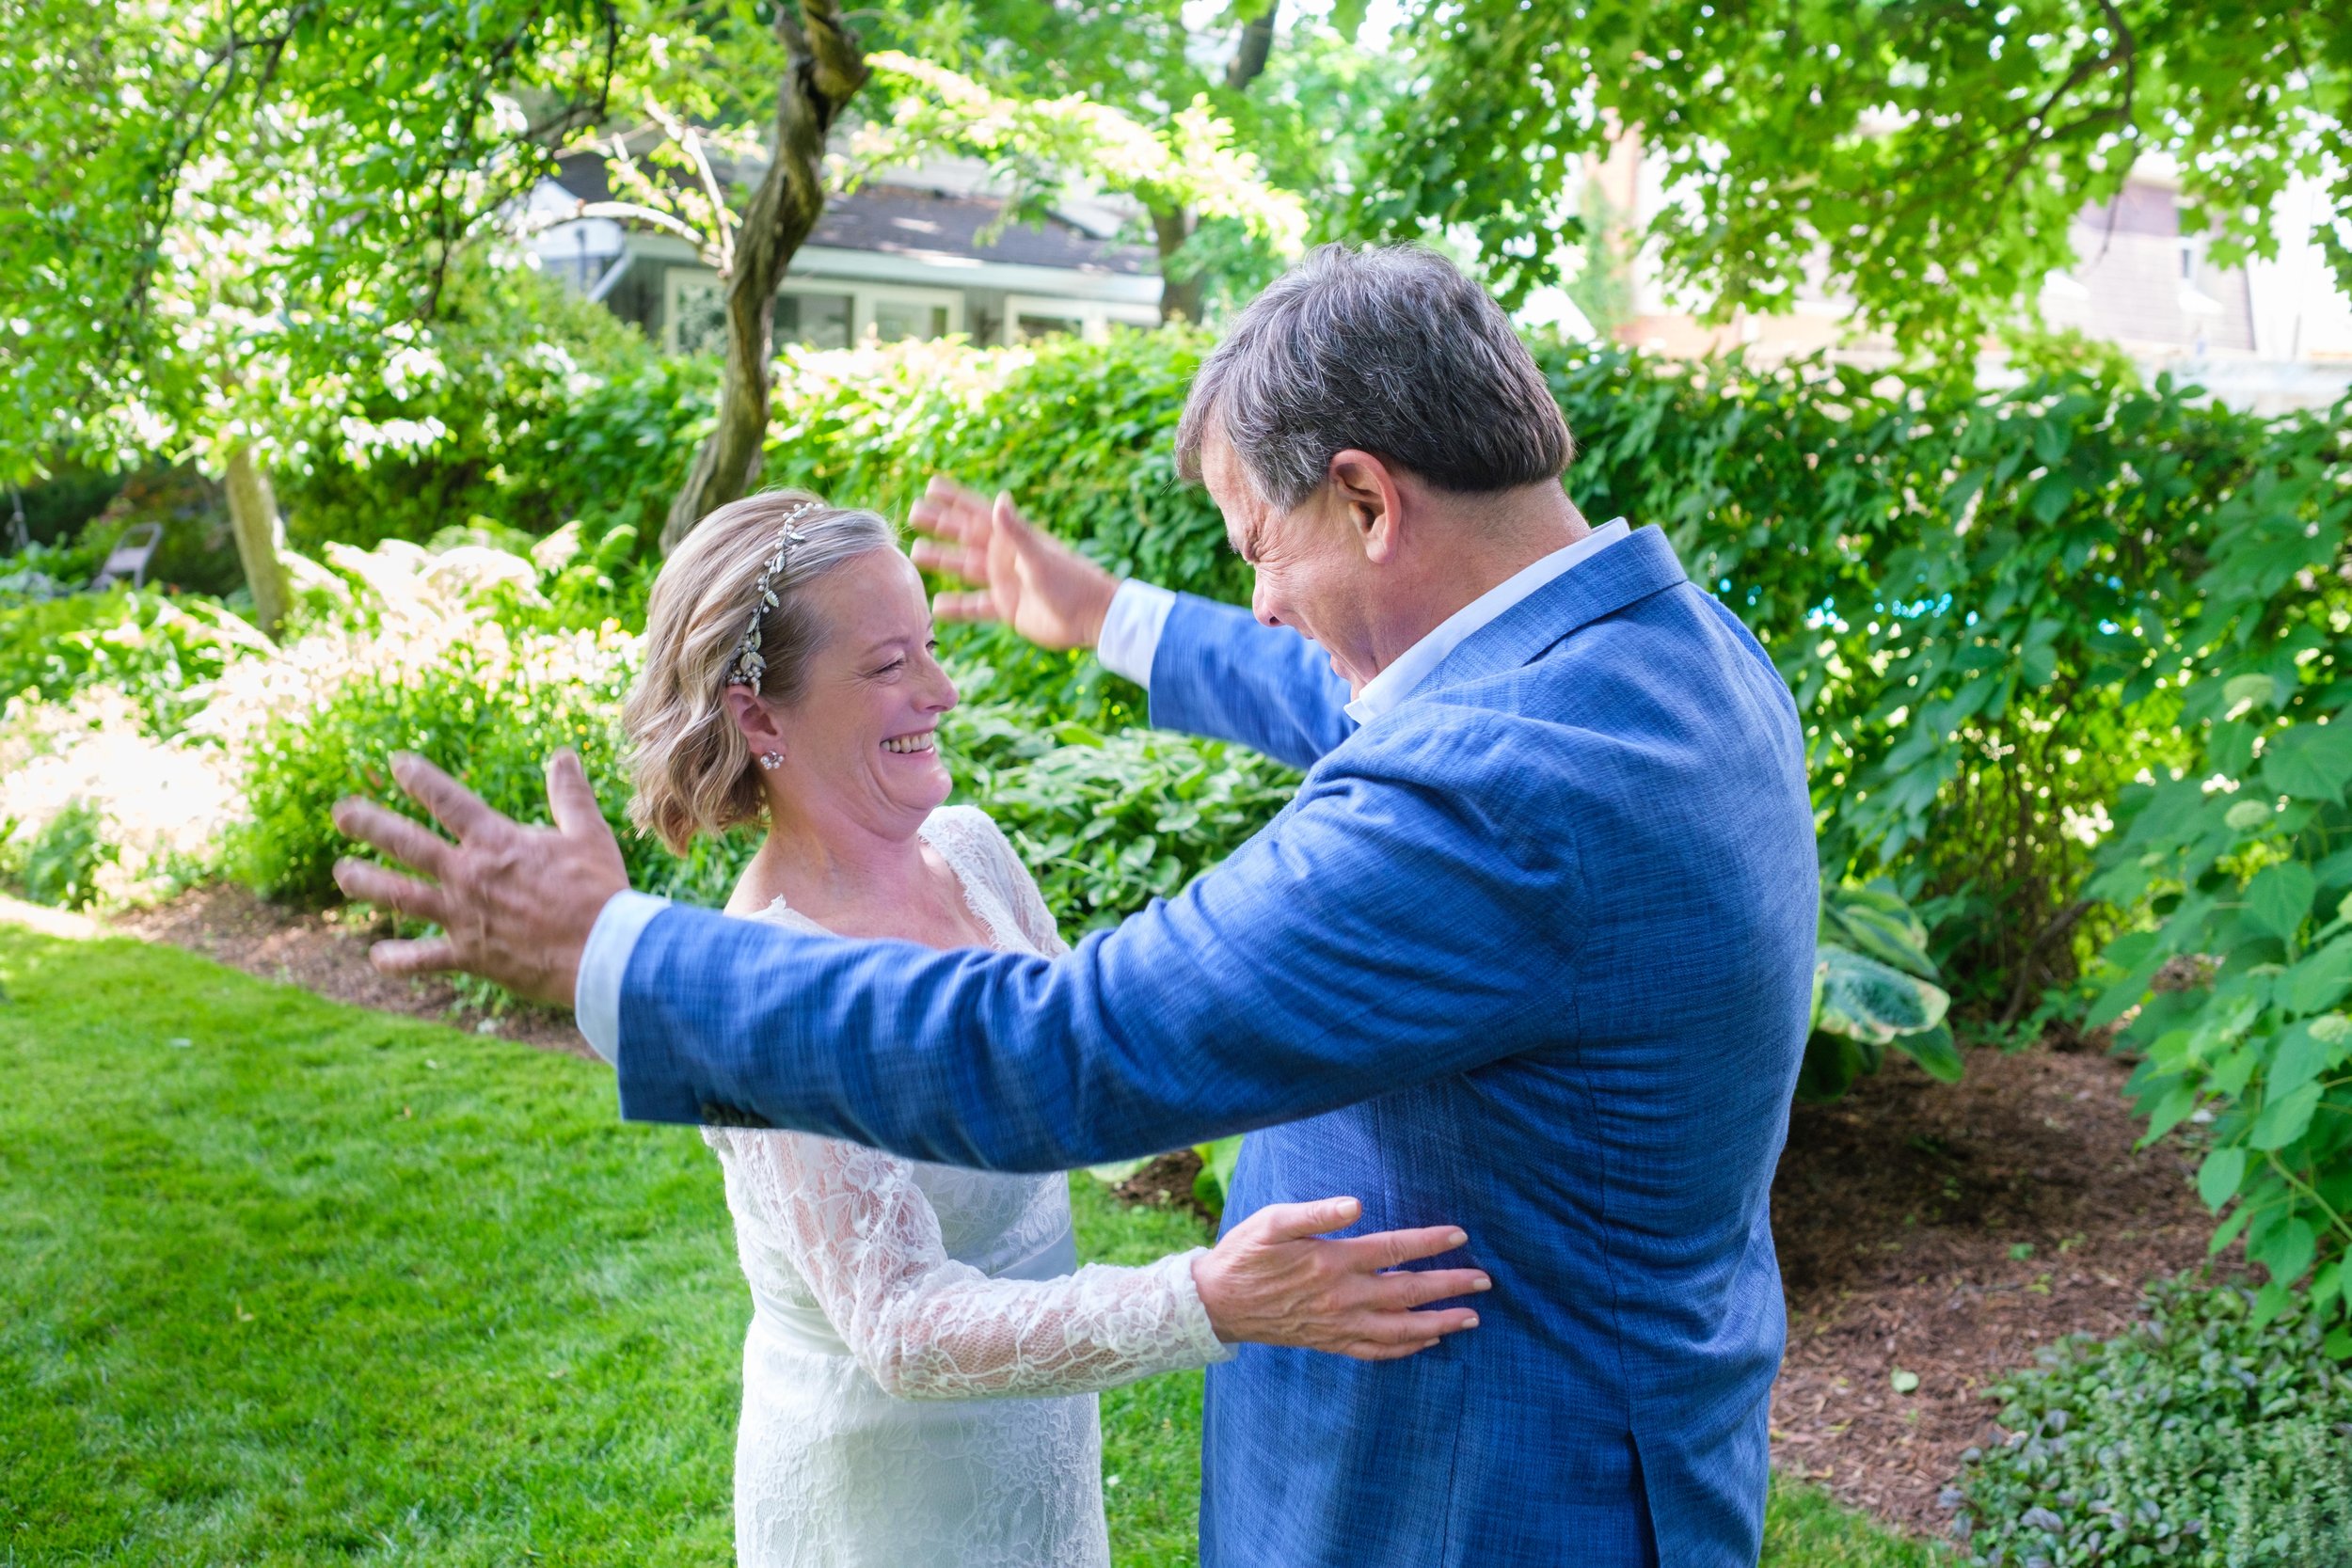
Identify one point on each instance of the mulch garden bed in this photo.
(1943, 1231)
(1950, 1232)
(326, 951)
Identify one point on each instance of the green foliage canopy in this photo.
(1927, 155)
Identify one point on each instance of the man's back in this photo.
(1641, 783)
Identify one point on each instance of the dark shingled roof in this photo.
(899, 221)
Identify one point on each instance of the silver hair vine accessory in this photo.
(748, 667)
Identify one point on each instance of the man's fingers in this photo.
(453, 805)
(373, 884)
(964, 607)
(430, 956)
(1015, 527)
(405, 840)
(947, 509)
(571, 799)
(955, 561)
(1412, 1328)
(1387, 1249)
(1405, 1290)
(1296, 1222)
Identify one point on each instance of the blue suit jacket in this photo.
(1531, 954)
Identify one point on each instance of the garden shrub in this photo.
(59, 865)
(160, 651)
(2203, 1437)
(1108, 823)
(526, 407)
(489, 712)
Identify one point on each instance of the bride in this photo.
(924, 1351)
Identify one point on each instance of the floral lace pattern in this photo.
(916, 1388)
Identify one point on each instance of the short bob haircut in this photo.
(694, 770)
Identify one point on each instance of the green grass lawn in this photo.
(282, 1281)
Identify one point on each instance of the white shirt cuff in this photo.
(603, 963)
(1131, 630)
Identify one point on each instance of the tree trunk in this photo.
(1257, 45)
(826, 68)
(253, 518)
(1180, 297)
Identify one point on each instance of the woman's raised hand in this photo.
(1276, 1280)
(1025, 577)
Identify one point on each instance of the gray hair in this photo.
(1389, 350)
(692, 768)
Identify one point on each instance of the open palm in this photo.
(1025, 579)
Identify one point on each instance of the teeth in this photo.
(905, 743)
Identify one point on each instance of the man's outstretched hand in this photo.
(515, 904)
(1025, 577)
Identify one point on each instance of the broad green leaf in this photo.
(2260, 690)
(2317, 982)
(2229, 1230)
(2270, 1302)
(2301, 1054)
(2311, 762)
(2285, 1119)
(2278, 897)
(2218, 1179)
(1866, 1000)
(2245, 816)
(1933, 1049)
(2285, 1249)
(2231, 1074)
(1111, 1175)
(2169, 1112)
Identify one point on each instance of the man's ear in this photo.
(1366, 491)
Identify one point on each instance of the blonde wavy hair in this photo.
(694, 770)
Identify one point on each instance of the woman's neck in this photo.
(834, 872)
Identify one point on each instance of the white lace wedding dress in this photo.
(919, 1377)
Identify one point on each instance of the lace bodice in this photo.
(878, 1281)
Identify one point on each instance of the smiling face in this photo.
(860, 740)
(1314, 572)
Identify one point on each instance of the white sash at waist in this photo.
(803, 1326)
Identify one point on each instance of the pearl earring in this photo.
(772, 760)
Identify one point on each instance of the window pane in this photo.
(1041, 326)
(819, 321)
(896, 319)
(701, 326)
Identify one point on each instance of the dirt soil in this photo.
(1943, 1231)
(327, 952)
(1950, 1232)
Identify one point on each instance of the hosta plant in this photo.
(1873, 986)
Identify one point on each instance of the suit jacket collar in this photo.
(1633, 568)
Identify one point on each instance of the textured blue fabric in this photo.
(1531, 954)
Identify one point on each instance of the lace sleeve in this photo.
(925, 1326)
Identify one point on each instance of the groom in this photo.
(1531, 952)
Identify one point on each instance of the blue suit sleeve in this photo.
(1218, 672)
(1374, 937)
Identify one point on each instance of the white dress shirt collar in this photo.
(1394, 684)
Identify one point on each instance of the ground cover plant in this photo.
(2205, 1436)
(283, 1280)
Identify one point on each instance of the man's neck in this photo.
(1489, 540)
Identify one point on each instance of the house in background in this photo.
(2265, 336)
(893, 260)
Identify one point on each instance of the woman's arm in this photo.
(859, 1229)
(925, 1326)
